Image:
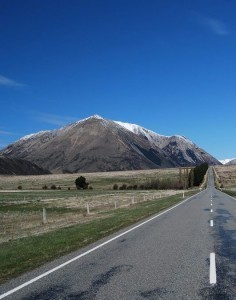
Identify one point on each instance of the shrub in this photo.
(115, 186)
(123, 187)
(53, 187)
(81, 183)
(45, 187)
(19, 187)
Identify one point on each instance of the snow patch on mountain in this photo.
(181, 137)
(225, 161)
(33, 135)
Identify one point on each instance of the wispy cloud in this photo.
(54, 119)
(10, 82)
(3, 132)
(214, 25)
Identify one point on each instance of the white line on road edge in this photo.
(211, 223)
(212, 268)
(89, 251)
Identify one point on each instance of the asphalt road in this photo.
(165, 258)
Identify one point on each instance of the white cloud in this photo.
(215, 26)
(9, 82)
(54, 119)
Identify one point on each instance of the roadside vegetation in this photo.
(21, 255)
(225, 177)
(53, 215)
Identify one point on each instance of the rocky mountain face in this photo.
(14, 166)
(98, 144)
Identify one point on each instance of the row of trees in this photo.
(188, 177)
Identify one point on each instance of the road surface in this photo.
(188, 252)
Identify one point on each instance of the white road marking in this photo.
(212, 268)
(211, 204)
(89, 251)
(211, 223)
(211, 210)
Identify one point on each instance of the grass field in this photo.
(227, 176)
(99, 181)
(21, 255)
(24, 239)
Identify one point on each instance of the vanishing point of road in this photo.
(186, 252)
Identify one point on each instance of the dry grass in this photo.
(227, 176)
(21, 211)
(99, 180)
(21, 218)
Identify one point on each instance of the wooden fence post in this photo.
(44, 216)
(88, 212)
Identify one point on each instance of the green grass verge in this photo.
(229, 192)
(19, 256)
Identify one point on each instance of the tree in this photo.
(198, 173)
(81, 183)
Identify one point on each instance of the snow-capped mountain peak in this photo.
(225, 161)
(99, 144)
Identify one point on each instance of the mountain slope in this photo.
(13, 166)
(97, 144)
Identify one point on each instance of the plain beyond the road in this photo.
(167, 257)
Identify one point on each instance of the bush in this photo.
(59, 188)
(123, 187)
(115, 186)
(68, 188)
(53, 187)
(81, 183)
(19, 187)
(129, 187)
(45, 187)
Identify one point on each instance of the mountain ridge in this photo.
(98, 144)
(14, 166)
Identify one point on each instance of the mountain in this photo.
(228, 161)
(231, 162)
(98, 144)
(13, 166)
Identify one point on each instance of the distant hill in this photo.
(231, 162)
(228, 161)
(13, 166)
(98, 144)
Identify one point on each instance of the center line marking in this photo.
(211, 210)
(211, 223)
(212, 268)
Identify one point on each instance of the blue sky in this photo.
(167, 65)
